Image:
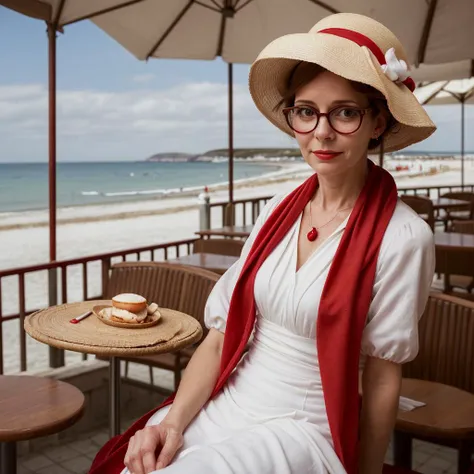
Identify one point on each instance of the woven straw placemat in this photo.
(51, 326)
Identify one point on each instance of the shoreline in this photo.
(163, 204)
(187, 200)
(159, 194)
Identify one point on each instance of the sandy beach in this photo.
(90, 230)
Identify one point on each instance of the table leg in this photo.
(402, 450)
(8, 458)
(114, 394)
(464, 457)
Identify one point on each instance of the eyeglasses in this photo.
(344, 120)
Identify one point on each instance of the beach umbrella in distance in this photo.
(460, 91)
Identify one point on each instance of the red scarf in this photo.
(342, 315)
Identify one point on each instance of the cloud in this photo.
(134, 124)
(95, 125)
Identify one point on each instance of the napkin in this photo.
(407, 404)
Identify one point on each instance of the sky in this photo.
(113, 107)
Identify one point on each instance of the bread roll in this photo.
(124, 316)
(129, 302)
(152, 308)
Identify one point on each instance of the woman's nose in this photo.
(324, 131)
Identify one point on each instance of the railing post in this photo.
(229, 214)
(105, 275)
(56, 356)
(204, 210)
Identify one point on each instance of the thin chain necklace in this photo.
(313, 234)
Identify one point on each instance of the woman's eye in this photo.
(305, 112)
(346, 113)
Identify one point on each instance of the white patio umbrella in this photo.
(433, 31)
(450, 92)
(443, 72)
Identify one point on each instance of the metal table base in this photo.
(114, 396)
(8, 458)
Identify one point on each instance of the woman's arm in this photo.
(381, 380)
(198, 381)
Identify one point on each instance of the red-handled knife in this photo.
(80, 317)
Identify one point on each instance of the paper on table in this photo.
(407, 404)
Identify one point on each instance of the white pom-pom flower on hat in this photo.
(395, 69)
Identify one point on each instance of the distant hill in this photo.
(172, 157)
(240, 153)
(253, 152)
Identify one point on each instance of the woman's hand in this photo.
(141, 453)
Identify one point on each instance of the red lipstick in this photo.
(326, 155)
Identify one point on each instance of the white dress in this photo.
(270, 417)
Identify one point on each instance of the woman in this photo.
(333, 278)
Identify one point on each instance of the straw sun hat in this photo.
(352, 46)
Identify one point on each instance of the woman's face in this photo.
(325, 93)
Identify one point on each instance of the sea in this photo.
(24, 186)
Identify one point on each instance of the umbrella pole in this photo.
(56, 356)
(230, 206)
(462, 142)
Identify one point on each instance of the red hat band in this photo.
(363, 40)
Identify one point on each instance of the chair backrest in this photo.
(455, 261)
(463, 227)
(463, 196)
(421, 205)
(446, 333)
(230, 247)
(179, 287)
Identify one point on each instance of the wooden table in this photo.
(454, 256)
(227, 231)
(448, 415)
(454, 241)
(450, 204)
(187, 334)
(210, 261)
(31, 407)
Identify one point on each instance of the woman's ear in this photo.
(380, 125)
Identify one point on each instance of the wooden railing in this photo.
(76, 277)
(247, 210)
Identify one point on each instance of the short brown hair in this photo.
(303, 73)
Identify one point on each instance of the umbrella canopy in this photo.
(459, 91)
(435, 31)
(443, 72)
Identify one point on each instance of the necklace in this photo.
(312, 235)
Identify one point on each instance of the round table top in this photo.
(36, 406)
(52, 326)
(448, 203)
(452, 240)
(210, 261)
(448, 413)
(228, 231)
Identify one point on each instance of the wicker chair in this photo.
(466, 283)
(463, 227)
(172, 286)
(457, 266)
(230, 247)
(422, 206)
(446, 355)
(448, 216)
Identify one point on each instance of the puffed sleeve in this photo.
(217, 306)
(405, 271)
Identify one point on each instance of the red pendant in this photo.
(312, 234)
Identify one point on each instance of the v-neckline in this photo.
(341, 226)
